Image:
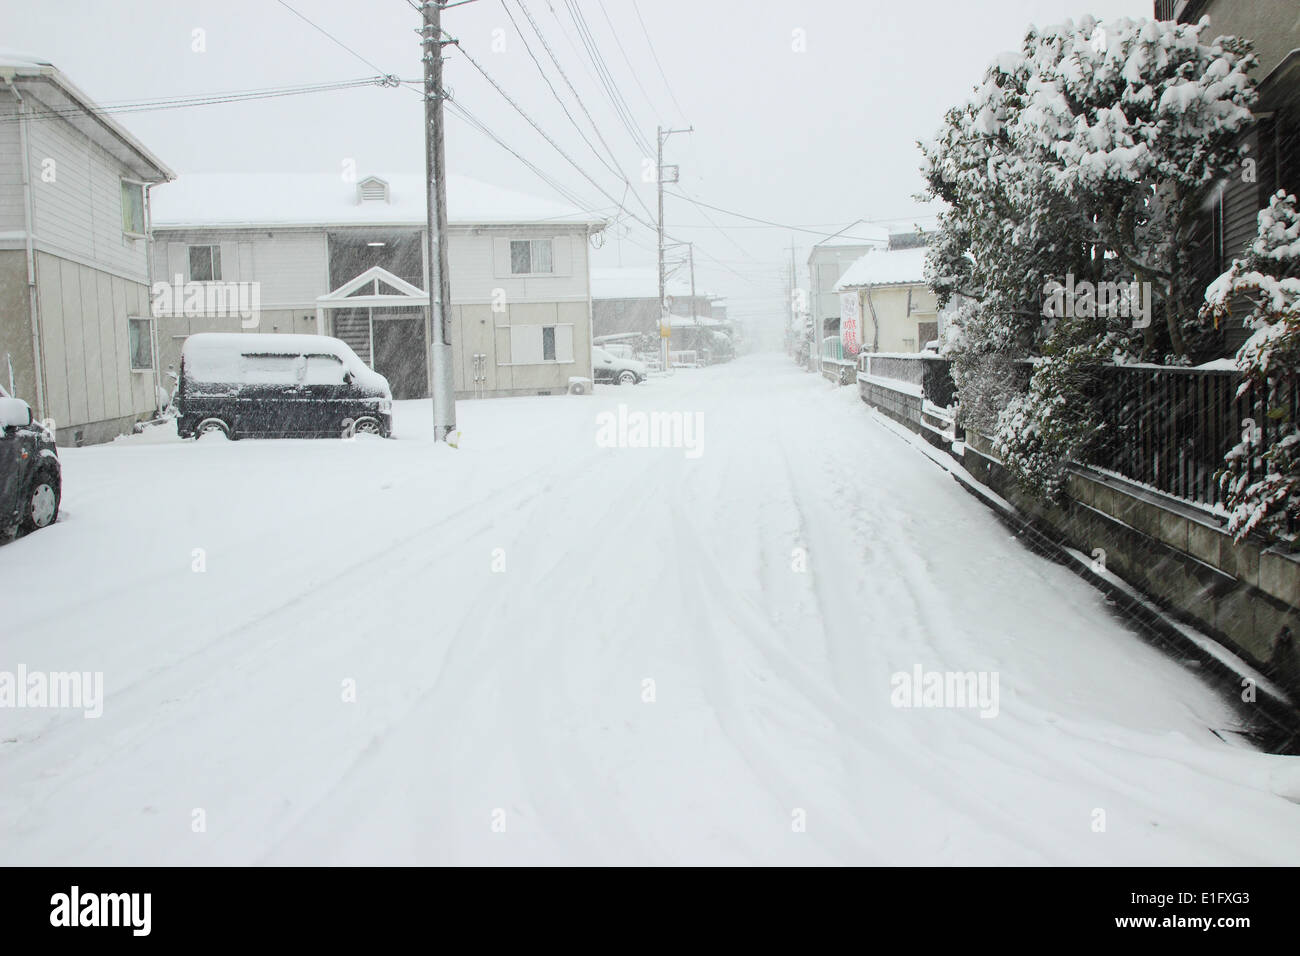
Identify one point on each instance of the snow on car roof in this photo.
(881, 267)
(263, 199)
(259, 342)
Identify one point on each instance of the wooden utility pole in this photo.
(661, 170)
(442, 379)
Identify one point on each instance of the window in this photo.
(324, 370)
(132, 208)
(272, 369)
(540, 344)
(205, 263)
(140, 343)
(530, 256)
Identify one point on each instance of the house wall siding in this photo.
(12, 217)
(84, 341)
(77, 210)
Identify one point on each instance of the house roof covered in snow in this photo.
(37, 79)
(311, 199)
(638, 282)
(881, 267)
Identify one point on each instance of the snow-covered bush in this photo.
(1088, 155)
(1261, 478)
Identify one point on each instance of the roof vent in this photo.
(372, 189)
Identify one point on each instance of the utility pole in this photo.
(661, 135)
(694, 316)
(443, 385)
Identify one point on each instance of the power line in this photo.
(207, 99)
(781, 225)
(636, 74)
(317, 26)
(607, 77)
(681, 112)
(614, 168)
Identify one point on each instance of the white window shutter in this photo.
(501, 258)
(562, 256)
(525, 344)
(178, 262)
(564, 343)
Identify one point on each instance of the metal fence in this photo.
(1170, 428)
(1165, 427)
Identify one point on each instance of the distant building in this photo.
(886, 291)
(75, 324)
(827, 262)
(626, 300)
(350, 259)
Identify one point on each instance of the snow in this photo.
(881, 267)
(21, 60)
(518, 695)
(215, 356)
(267, 199)
(635, 282)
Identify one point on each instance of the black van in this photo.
(278, 386)
(31, 480)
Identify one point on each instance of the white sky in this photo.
(817, 138)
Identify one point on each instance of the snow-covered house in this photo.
(885, 295)
(829, 260)
(75, 327)
(626, 300)
(1273, 28)
(347, 257)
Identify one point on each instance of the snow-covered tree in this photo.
(1086, 156)
(1262, 474)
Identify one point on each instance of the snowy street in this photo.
(535, 649)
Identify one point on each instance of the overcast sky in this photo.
(805, 113)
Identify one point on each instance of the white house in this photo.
(75, 327)
(281, 252)
(885, 292)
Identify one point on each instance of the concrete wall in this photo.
(1246, 596)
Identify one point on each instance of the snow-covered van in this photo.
(278, 386)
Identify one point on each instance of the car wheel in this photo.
(367, 426)
(41, 508)
(211, 426)
(627, 377)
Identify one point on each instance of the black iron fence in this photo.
(1164, 427)
(1170, 428)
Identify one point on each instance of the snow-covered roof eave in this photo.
(35, 69)
(592, 226)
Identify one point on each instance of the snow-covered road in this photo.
(500, 611)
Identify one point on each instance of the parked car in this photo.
(31, 479)
(278, 386)
(612, 368)
(620, 351)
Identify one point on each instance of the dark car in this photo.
(621, 370)
(278, 386)
(31, 480)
